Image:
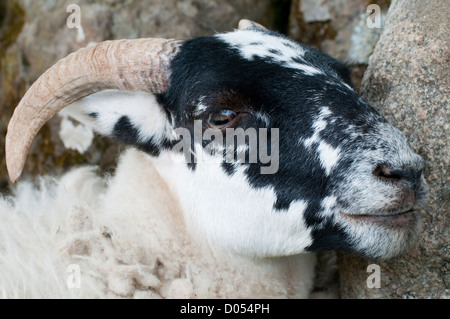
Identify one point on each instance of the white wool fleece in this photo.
(127, 235)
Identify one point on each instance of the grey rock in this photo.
(408, 82)
(338, 28)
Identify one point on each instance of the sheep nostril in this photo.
(385, 173)
(408, 178)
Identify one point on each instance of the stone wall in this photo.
(408, 81)
(339, 28)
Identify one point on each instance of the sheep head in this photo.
(344, 177)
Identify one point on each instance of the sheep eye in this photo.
(221, 119)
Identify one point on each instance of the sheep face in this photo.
(346, 179)
(339, 177)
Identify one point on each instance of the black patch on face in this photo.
(343, 71)
(125, 132)
(192, 166)
(207, 65)
(93, 115)
(282, 204)
(330, 237)
(315, 57)
(229, 168)
(327, 236)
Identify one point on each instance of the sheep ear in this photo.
(134, 118)
(245, 24)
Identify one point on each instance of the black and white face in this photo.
(344, 178)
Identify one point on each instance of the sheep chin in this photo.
(381, 237)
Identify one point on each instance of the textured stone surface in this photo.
(330, 24)
(339, 28)
(34, 35)
(408, 82)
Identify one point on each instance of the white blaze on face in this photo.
(231, 213)
(329, 156)
(109, 106)
(318, 126)
(253, 44)
(201, 107)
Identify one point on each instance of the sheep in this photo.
(177, 223)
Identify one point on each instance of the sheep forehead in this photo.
(252, 44)
(251, 63)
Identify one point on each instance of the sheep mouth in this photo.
(399, 220)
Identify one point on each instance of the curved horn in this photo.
(245, 24)
(128, 65)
